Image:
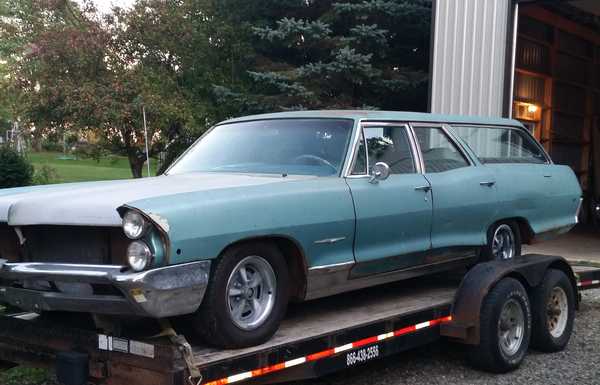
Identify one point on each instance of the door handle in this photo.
(547, 176)
(488, 184)
(423, 188)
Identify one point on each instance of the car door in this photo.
(463, 193)
(393, 216)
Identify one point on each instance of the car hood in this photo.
(96, 203)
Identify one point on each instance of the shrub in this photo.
(52, 146)
(45, 175)
(15, 170)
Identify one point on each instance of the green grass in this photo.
(23, 375)
(82, 170)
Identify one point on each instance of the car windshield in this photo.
(280, 146)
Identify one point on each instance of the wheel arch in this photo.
(525, 229)
(294, 256)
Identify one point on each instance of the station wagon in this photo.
(266, 209)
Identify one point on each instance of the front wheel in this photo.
(505, 328)
(246, 298)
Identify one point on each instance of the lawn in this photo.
(81, 170)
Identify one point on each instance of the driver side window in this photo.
(388, 144)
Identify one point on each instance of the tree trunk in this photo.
(136, 163)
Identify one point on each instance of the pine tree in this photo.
(347, 54)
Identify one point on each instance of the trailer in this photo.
(322, 336)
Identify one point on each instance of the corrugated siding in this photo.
(469, 51)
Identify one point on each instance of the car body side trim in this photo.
(333, 266)
(323, 281)
(329, 240)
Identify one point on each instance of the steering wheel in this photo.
(313, 159)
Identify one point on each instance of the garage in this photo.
(538, 62)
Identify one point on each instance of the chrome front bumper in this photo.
(162, 292)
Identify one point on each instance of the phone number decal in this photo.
(362, 355)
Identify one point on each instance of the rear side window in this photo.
(501, 144)
(439, 153)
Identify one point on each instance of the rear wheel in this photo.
(505, 328)
(246, 297)
(504, 242)
(553, 304)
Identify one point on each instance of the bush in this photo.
(91, 151)
(52, 146)
(15, 170)
(45, 175)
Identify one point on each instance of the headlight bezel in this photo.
(144, 254)
(128, 221)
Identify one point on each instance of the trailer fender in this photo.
(529, 269)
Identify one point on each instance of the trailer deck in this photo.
(325, 328)
(316, 338)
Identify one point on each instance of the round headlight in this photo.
(134, 225)
(139, 255)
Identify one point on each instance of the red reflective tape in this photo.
(319, 355)
(406, 330)
(222, 381)
(365, 341)
(268, 369)
(440, 320)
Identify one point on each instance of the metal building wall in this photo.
(469, 61)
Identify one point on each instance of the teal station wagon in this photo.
(289, 206)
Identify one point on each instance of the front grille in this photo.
(67, 244)
(9, 244)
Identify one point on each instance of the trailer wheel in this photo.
(553, 304)
(505, 328)
(246, 297)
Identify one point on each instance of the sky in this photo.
(104, 6)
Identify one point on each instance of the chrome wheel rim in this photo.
(503, 243)
(557, 310)
(251, 291)
(511, 327)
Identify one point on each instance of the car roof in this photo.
(404, 116)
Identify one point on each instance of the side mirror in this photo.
(380, 171)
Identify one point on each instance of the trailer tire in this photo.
(505, 316)
(551, 332)
(217, 322)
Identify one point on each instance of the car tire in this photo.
(219, 320)
(505, 328)
(509, 232)
(553, 304)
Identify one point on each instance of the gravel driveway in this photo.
(444, 363)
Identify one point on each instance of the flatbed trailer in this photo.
(316, 338)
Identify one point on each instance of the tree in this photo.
(79, 73)
(327, 54)
(192, 63)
